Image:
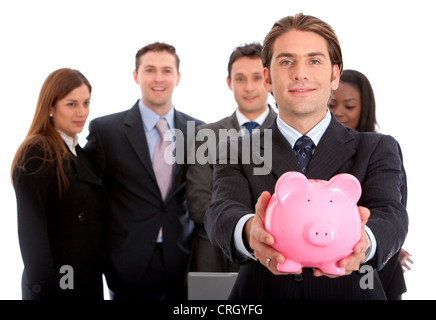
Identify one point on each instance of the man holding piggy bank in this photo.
(303, 63)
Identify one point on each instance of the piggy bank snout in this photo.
(320, 234)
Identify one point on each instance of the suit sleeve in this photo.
(404, 185)
(231, 200)
(199, 183)
(94, 149)
(32, 192)
(382, 193)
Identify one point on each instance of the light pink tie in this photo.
(162, 170)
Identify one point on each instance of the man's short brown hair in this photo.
(301, 22)
(157, 46)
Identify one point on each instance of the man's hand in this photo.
(260, 240)
(353, 261)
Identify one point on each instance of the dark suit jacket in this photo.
(135, 211)
(372, 158)
(199, 182)
(391, 275)
(55, 231)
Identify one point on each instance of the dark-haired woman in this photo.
(353, 104)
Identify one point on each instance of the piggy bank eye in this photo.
(331, 201)
(308, 200)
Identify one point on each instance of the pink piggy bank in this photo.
(315, 223)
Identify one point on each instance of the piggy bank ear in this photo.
(348, 184)
(290, 182)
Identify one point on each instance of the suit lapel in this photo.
(334, 149)
(283, 157)
(136, 136)
(180, 123)
(230, 123)
(233, 122)
(84, 169)
(272, 115)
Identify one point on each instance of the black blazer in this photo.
(372, 158)
(117, 146)
(55, 231)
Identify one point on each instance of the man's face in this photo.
(246, 82)
(157, 76)
(301, 75)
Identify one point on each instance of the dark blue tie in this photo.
(250, 126)
(304, 146)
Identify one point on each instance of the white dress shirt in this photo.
(69, 141)
(243, 119)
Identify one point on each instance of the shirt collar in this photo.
(71, 142)
(150, 118)
(243, 119)
(315, 133)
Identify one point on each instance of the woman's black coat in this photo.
(61, 237)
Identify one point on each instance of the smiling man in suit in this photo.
(148, 229)
(245, 79)
(303, 63)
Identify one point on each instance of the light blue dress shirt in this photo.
(149, 120)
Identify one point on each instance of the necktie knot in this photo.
(250, 125)
(305, 143)
(162, 126)
(304, 146)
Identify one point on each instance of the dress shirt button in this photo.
(81, 216)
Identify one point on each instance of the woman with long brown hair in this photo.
(59, 197)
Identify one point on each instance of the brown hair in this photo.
(302, 22)
(42, 133)
(157, 46)
(252, 50)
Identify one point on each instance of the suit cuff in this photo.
(241, 250)
(373, 244)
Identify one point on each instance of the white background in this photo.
(391, 42)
